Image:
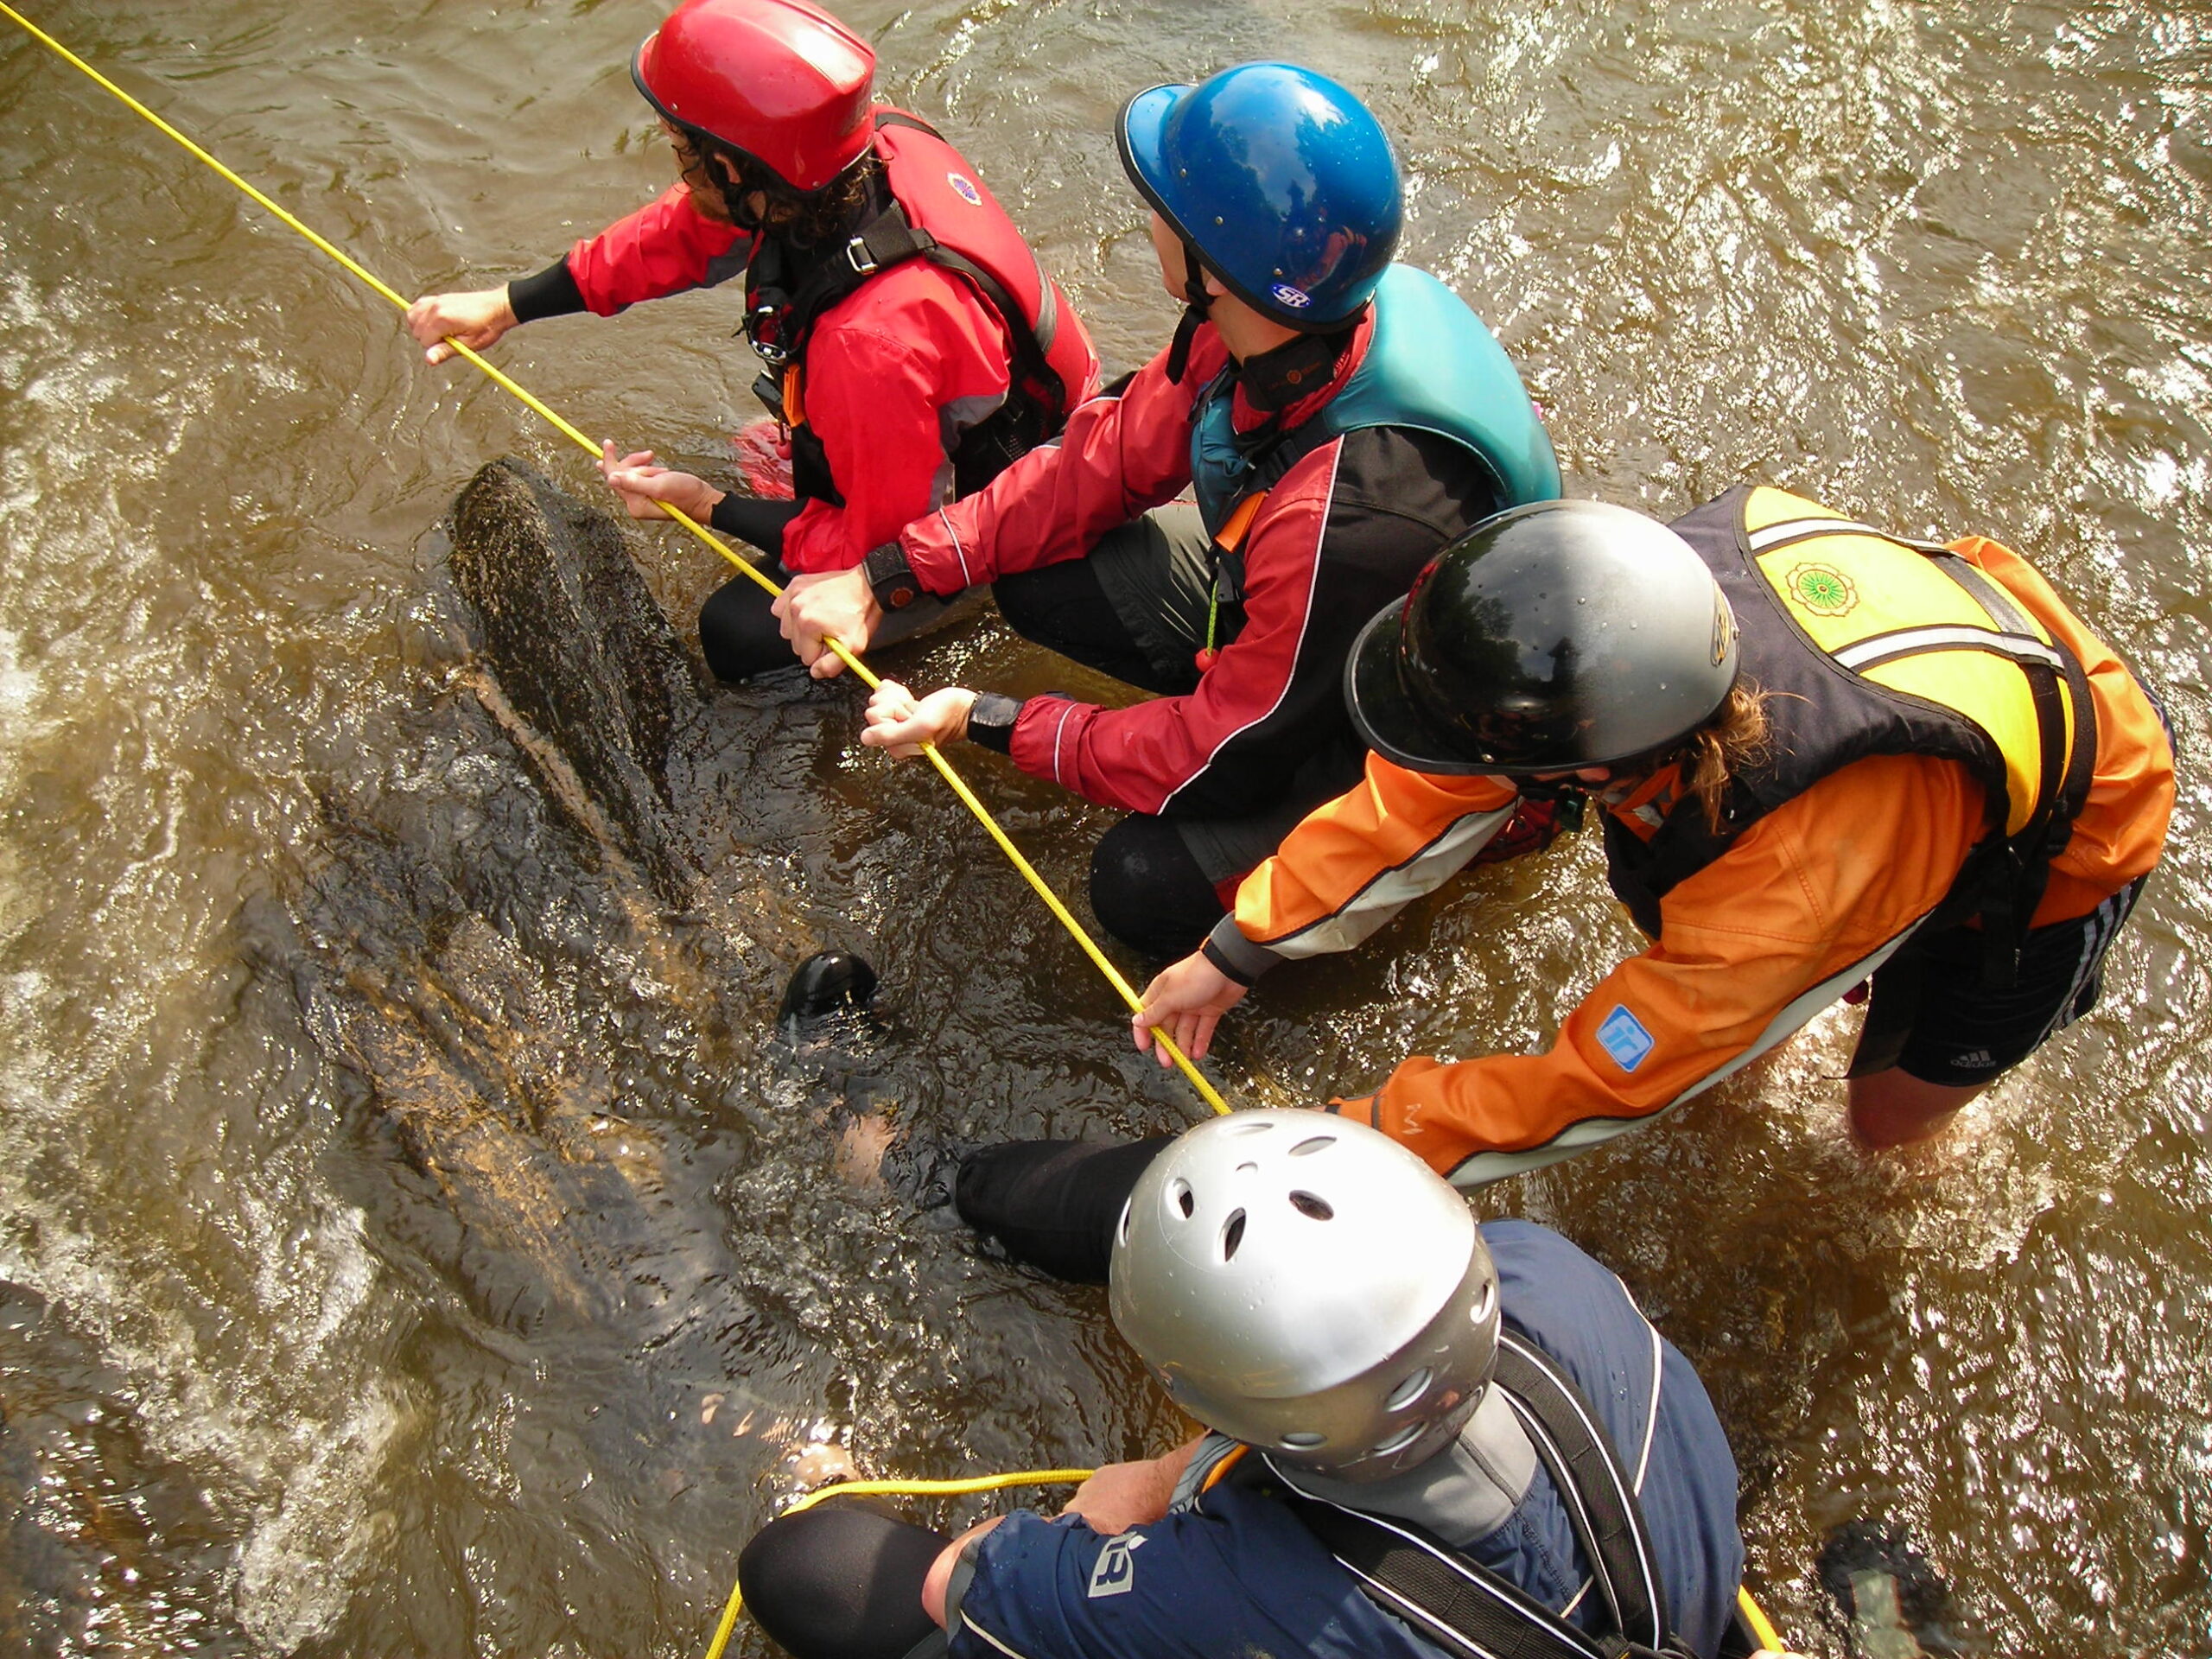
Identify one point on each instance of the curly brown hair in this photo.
(1733, 735)
(723, 178)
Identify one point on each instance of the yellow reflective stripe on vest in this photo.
(2021, 648)
(1885, 609)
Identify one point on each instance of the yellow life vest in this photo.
(1871, 644)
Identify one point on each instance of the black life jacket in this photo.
(1871, 644)
(1465, 1607)
(926, 204)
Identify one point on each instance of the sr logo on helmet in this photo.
(1297, 298)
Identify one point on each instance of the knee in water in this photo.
(828, 983)
(1147, 891)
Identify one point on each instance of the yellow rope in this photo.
(898, 1489)
(1763, 1630)
(1206, 1091)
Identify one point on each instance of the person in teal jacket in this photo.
(1338, 417)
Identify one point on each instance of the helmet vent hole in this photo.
(1304, 1440)
(1313, 1206)
(1232, 1235)
(1179, 1194)
(1399, 1441)
(1409, 1390)
(1313, 1144)
(1252, 1123)
(1484, 1304)
(1121, 1233)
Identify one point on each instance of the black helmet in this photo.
(1552, 637)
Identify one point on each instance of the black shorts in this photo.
(1963, 1035)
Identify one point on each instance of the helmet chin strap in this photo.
(1197, 301)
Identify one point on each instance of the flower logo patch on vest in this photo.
(1822, 590)
(965, 188)
(1623, 1036)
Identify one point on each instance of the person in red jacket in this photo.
(914, 345)
(1339, 418)
(1824, 755)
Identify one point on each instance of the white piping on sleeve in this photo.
(971, 1625)
(1483, 1167)
(1056, 731)
(967, 576)
(1651, 1413)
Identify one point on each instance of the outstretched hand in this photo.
(1185, 1001)
(648, 490)
(898, 722)
(475, 319)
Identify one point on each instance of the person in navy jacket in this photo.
(1380, 1379)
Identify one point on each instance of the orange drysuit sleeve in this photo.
(1805, 903)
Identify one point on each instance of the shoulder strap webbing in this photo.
(1468, 1608)
(887, 239)
(1600, 1499)
(1463, 1608)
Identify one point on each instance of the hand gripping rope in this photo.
(1768, 1641)
(1205, 1089)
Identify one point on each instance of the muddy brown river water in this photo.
(413, 1237)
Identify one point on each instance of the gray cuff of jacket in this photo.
(956, 1587)
(1228, 949)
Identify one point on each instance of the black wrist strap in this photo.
(991, 722)
(552, 293)
(890, 578)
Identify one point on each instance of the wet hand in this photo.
(646, 489)
(897, 722)
(1185, 1001)
(1124, 1495)
(838, 605)
(476, 320)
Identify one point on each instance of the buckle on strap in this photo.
(863, 263)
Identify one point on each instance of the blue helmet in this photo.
(1282, 181)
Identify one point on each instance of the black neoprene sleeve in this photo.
(752, 519)
(552, 293)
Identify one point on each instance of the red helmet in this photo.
(782, 80)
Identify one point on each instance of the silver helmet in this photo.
(1307, 1285)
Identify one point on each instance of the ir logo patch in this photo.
(1115, 1572)
(1625, 1037)
(965, 187)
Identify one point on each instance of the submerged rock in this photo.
(584, 669)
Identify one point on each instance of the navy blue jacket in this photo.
(1235, 1572)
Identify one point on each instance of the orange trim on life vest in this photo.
(794, 399)
(1229, 1459)
(1238, 525)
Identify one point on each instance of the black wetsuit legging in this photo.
(1146, 888)
(842, 1580)
(1053, 1203)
